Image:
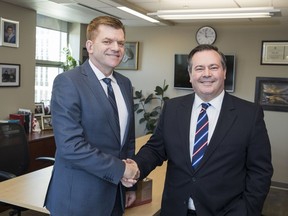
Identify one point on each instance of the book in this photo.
(19, 117)
(10, 121)
(28, 118)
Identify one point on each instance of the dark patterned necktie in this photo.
(201, 135)
(112, 101)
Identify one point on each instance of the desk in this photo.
(41, 144)
(29, 190)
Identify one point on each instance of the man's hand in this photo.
(130, 198)
(131, 173)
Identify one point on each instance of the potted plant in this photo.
(142, 105)
(70, 62)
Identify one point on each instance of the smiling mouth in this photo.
(207, 82)
(113, 55)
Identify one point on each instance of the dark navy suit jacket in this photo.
(233, 177)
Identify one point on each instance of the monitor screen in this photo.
(181, 76)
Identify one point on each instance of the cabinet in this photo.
(41, 144)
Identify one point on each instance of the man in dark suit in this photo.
(93, 138)
(233, 177)
(10, 36)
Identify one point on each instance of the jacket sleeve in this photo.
(259, 166)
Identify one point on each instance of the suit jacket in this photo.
(233, 177)
(88, 161)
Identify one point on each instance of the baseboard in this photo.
(279, 185)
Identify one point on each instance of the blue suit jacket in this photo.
(233, 177)
(88, 165)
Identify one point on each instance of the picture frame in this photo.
(10, 75)
(39, 120)
(9, 33)
(274, 53)
(46, 122)
(272, 93)
(39, 109)
(130, 59)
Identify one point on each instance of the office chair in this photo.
(14, 155)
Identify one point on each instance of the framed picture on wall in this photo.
(10, 75)
(130, 59)
(274, 53)
(9, 33)
(272, 93)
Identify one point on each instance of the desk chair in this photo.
(14, 155)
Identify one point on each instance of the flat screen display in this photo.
(181, 76)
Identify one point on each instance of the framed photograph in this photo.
(9, 33)
(272, 93)
(39, 109)
(274, 53)
(10, 75)
(37, 124)
(130, 59)
(46, 122)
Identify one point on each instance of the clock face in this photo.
(206, 35)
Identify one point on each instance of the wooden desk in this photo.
(29, 190)
(41, 144)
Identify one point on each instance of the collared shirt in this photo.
(213, 113)
(121, 105)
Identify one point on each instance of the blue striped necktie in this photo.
(201, 136)
(112, 101)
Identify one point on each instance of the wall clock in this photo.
(206, 35)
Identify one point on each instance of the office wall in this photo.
(12, 98)
(156, 62)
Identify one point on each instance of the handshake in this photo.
(131, 173)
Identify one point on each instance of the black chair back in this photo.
(14, 152)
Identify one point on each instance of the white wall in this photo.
(12, 98)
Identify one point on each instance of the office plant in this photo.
(142, 105)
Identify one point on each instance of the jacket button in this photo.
(194, 179)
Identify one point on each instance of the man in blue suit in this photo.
(233, 177)
(92, 140)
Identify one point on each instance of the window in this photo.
(49, 57)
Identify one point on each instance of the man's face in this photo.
(107, 49)
(9, 31)
(207, 74)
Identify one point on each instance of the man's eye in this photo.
(214, 68)
(199, 69)
(121, 44)
(107, 42)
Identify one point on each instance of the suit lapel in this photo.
(184, 118)
(124, 90)
(97, 89)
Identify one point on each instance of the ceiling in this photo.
(82, 11)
